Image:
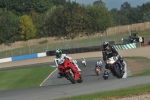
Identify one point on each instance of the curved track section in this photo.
(53, 87)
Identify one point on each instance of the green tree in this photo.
(21, 7)
(9, 25)
(27, 29)
(67, 21)
(124, 13)
(55, 23)
(146, 16)
(39, 23)
(99, 18)
(75, 19)
(135, 15)
(99, 2)
(114, 14)
(59, 2)
(126, 5)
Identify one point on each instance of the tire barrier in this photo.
(125, 46)
(76, 50)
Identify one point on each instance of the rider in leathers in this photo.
(108, 51)
(60, 56)
(99, 63)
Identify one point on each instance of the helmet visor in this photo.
(104, 46)
(57, 54)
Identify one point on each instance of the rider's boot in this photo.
(59, 75)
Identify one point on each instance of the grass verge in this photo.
(23, 77)
(141, 60)
(110, 95)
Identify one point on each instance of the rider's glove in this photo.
(74, 61)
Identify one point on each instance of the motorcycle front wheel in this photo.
(70, 77)
(80, 79)
(118, 72)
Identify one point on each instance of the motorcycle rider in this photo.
(60, 56)
(106, 74)
(83, 61)
(99, 63)
(108, 51)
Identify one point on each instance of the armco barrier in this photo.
(67, 51)
(23, 57)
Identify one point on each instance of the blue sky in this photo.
(114, 3)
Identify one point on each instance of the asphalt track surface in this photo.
(53, 87)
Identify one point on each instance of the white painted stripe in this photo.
(5, 60)
(128, 46)
(48, 77)
(120, 47)
(41, 54)
(115, 47)
(134, 44)
(125, 47)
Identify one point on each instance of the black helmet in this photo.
(58, 53)
(105, 44)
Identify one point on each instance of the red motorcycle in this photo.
(98, 69)
(69, 71)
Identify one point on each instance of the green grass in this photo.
(143, 73)
(137, 58)
(23, 77)
(125, 92)
(142, 59)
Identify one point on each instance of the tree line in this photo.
(22, 20)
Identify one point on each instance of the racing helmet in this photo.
(58, 53)
(105, 44)
(98, 60)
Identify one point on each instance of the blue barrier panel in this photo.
(24, 57)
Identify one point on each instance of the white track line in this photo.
(48, 77)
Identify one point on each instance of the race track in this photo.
(54, 88)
